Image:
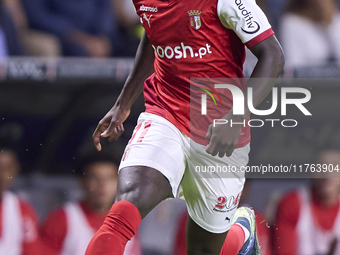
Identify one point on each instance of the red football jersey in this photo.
(31, 243)
(57, 234)
(288, 215)
(198, 39)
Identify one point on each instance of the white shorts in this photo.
(211, 186)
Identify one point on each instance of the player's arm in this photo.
(269, 66)
(259, 38)
(223, 139)
(111, 125)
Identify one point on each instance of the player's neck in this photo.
(330, 201)
(325, 201)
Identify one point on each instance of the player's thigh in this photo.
(201, 241)
(153, 161)
(211, 196)
(143, 186)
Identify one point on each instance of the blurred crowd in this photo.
(65, 230)
(52, 28)
(307, 29)
(304, 220)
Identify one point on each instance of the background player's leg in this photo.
(140, 189)
(202, 242)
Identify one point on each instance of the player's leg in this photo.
(211, 214)
(234, 241)
(142, 186)
(140, 189)
(212, 199)
(150, 171)
(242, 238)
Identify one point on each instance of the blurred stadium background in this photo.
(52, 99)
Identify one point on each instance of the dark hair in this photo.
(94, 157)
(297, 5)
(6, 146)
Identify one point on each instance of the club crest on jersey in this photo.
(195, 19)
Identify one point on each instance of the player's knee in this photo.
(128, 191)
(134, 194)
(143, 187)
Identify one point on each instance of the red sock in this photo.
(119, 226)
(234, 241)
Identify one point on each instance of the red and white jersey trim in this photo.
(12, 234)
(245, 18)
(312, 238)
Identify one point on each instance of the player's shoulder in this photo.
(54, 225)
(61, 212)
(290, 197)
(247, 20)
(288, 210)
(56, 215)
(289, 205)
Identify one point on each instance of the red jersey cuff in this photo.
(261, 37)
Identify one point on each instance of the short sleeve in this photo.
(247, 20)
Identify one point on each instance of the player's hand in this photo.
(223, 139)
(111, 126)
